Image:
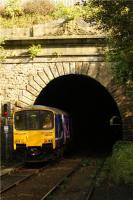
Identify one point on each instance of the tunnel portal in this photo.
(90, 106)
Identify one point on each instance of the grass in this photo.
(23, 21)
(118, 168)
(121, 163)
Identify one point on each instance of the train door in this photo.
(59, 133)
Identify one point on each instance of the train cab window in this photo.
(46, 118)
(20, 121)
(32, 122)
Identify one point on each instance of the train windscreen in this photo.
(34, 120)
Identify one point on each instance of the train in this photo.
(40, 132)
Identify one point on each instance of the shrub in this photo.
(34, 50)
(121, 163)
(41, 7)
(70, 12)
(13, 9)
(23, 21)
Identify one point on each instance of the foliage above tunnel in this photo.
(34, 12)
(116, 18)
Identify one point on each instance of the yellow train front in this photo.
(40, 132)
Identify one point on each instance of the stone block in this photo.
(66, 67)
(49, 28)
(43, 76)
(60, 68)
(84, 68)
(48, 72)
(25, 100)
(31, 90)
(54, 69)
(15, 32)
(78, 66)
(28, 95)
(72, 67)
(39, 81)
(35, 85)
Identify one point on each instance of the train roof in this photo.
(40, 107)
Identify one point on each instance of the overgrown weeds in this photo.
(121, 163)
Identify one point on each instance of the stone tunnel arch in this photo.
(53, 83)
(90, 106)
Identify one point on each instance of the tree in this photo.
(13, 8)
(116, 19)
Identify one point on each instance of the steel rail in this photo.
(55, 187)
(17, 182)
(92, 184)
(25, 177)
(90, 192)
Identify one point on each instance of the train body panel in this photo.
(33, 138)
(39, 130)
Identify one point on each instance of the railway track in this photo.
(56, 186)
(26, 183)
(91, 188)
(15, 177)
(48, 181)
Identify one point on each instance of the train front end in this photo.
(34, 133)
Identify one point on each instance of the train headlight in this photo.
(19, 141)
(47, 140)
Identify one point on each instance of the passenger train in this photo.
(40, 132)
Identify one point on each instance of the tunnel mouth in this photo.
(91, 108)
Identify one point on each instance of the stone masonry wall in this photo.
(22, 78)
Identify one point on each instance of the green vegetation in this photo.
(40, 7)
(35, 12)
(118, 168)
(121, 163)
(23, 21)
(12, 9)
(34, 50)
(70, 13)
(13, 14)
(116, 19)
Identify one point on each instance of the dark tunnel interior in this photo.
(91, 108)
